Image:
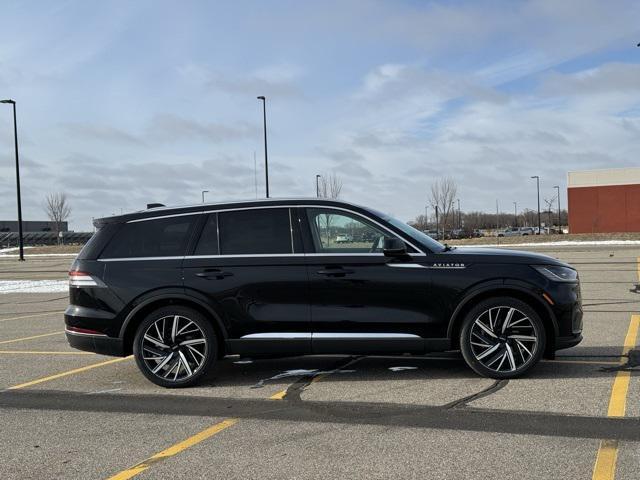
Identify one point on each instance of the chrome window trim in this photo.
(137, 259)
(265, 255)
(262, 207)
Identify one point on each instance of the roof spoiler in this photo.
(155, 205)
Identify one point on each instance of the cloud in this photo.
(273, 81)
(168, 127)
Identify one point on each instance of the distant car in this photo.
(344, 238)
(516, 232)
(477, 233)
(432, 233)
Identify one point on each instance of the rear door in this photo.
(249, 265)
(361, 300)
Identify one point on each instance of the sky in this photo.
(123, 103)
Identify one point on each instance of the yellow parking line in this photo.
(174, 450)
(28, 316)
(278, 395)
(36, 352)
(583, 362)
(30, 338)
(67, 373)
(605, 466)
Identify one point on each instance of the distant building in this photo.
(32, 226)
(604, 201)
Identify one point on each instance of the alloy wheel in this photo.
(174, 348)
(504, 339)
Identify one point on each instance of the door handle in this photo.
(214, 273)
(335, 271)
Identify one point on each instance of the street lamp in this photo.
(557, 187)
(266, 163)
(459, 216)
(15, 140)
(515, 214)
(203, 192)
(538, 184)
(318, 186)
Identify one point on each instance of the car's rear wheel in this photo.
(502, 338)
(175, 346)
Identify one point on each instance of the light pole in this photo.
(15, 140)
(459, 216)
(515, 214)
(426, 217)
(557, 187)
(539, 222)
(203, 192)
(318, 186)
(266, 162)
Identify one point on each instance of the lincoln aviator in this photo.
(181, 288)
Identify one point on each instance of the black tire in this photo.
(188, 358)
(484, 352)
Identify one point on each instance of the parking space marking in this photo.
(69, 372)
(174, 449)
(29, 316)
(40, 352)
(4, 342)
(605, 466)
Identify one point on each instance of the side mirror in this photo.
(394, 247)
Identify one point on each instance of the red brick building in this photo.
(604, 200)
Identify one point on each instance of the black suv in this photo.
(182, 287)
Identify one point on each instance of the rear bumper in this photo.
(96, 343)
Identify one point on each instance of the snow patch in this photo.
(33, 286)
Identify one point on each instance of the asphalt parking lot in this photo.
(69, 414)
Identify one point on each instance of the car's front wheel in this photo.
(175, 346)
(502, 338)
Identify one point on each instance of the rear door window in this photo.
(255, 232)
(164, 237)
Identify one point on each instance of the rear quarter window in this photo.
(165, 237)
(96, 243)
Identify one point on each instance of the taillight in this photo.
(83, 279)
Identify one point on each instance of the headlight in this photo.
(557, 273)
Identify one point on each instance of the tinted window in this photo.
(208, 243)
(166, 237)
(259, 231)
(341, 232)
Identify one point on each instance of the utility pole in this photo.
(515, 214)
(266, 162)
(318, 186)
(15, 140)
(437, 224)
(539, 222)
(557, 187)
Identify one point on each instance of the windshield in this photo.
(414, 233)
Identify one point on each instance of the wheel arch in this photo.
(504, 290)
(142, 309)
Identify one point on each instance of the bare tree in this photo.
(330, 186)
(443, 194)
(58, 210)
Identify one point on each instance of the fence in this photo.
(10, 239)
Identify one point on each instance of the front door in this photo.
(247, 264)
(362, 300)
